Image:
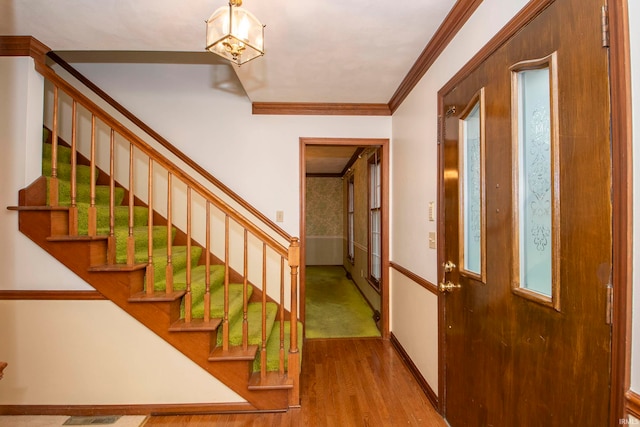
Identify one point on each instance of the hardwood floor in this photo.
(345, 382)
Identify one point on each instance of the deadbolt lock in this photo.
(448, 266)
(447, 286)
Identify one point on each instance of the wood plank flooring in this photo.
(345, 382)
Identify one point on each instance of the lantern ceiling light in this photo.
(235, 34)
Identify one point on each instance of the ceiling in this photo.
(317, 51)
(330, 160)
(320, 51)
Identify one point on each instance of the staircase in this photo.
(168, 250)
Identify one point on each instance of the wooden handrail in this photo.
(166, 144)
(99, 113)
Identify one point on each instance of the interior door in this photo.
(527, 208)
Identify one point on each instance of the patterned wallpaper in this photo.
(324, 207)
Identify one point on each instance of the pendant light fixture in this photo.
(235, 34)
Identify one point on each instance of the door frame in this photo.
(383, 143)
(622, 188)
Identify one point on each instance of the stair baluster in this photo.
(187, 297)
(225, 319)
(53, 182)
(281, 352)
(93, 214)
(131, 249)
(263, 347)
(73, 209)
(207, 266)
(169, 269)
(111, 240)
(245, 298)
(149, 272)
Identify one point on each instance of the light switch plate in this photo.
(279, 216)
(432, 240)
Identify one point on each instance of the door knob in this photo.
(448, 266)
(447, 286)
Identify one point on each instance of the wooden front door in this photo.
(527, 208)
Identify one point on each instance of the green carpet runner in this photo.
(179, 256)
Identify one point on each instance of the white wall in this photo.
(634, 22)
(75, 353)
(256, 156)
(414, 161)
(21, 138)
(69, 352)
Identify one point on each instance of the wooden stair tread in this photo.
(271, 381)
(118, 267)
(196, 325)
(67, 238)
(156, 296)
(234, 353)
(38, 208)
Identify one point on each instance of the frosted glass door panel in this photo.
(535, 181)
(472, 189)
(536, 195)
(472, 221)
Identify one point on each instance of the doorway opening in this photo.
(344, 216)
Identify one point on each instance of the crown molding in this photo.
(526, 15)
(23, 46)
(320, 109)
(455, 20)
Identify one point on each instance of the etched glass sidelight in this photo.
(472, 191)
(535, 179)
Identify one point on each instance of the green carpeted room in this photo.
(340, 302)
(335, 308)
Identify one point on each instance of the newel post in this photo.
(294, 352)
